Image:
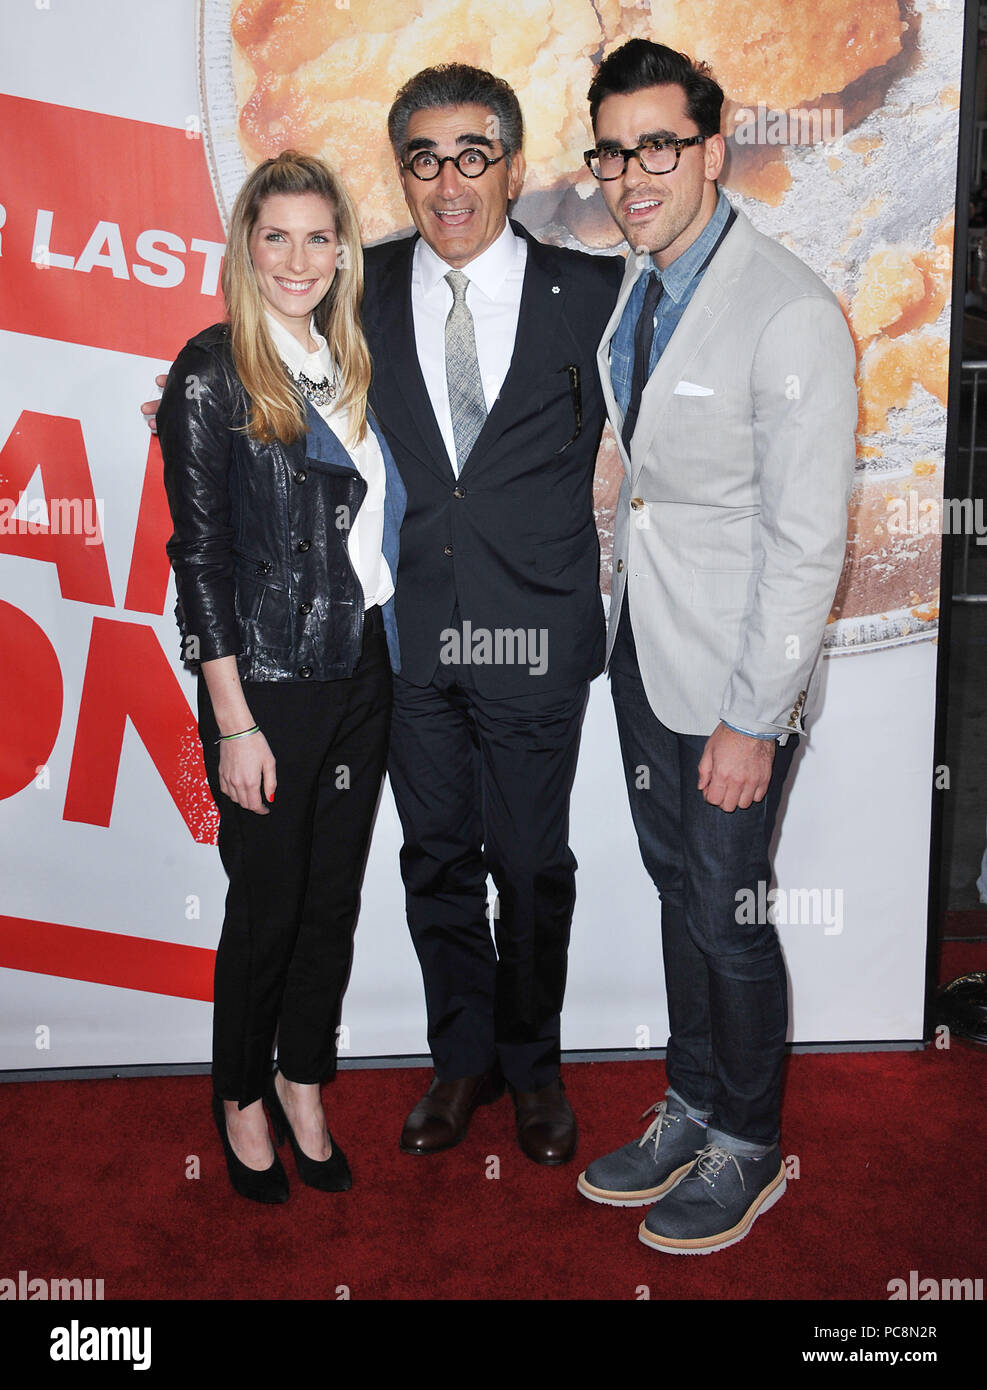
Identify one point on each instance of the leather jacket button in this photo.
(264, 567)
(459, 492)
(305, 672)
(300, 475)
(305, 608)
(447, 550)
(304, 545)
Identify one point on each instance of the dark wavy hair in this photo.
(639, 63)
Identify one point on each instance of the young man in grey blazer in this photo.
(728, 371)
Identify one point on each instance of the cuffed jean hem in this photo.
(742, 1148)
(677, 1102)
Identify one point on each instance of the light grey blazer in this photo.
(732, 518)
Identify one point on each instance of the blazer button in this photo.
(620, 566)
(300, 475)
(304, 545)
(305, 608)
(304, 672)
(636, 504)
(459, 492)
(447, 550)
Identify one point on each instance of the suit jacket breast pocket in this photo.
(564, 398)
(691, 403)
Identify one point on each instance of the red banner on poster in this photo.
(109, 233)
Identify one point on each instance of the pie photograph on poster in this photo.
(819, 155)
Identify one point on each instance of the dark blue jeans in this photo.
(725, 978)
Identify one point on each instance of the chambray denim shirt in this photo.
(678, 284)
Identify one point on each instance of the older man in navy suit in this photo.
(485, 381)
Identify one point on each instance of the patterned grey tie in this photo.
(466, 401)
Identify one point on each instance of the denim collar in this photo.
(676, 279)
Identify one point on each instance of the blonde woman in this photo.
(286, 507)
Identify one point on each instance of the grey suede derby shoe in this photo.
(645, 1169)
(716, 1204)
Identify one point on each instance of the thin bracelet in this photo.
(223, 738)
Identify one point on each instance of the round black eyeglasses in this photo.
(471, 163)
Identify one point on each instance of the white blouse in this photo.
(367, 532)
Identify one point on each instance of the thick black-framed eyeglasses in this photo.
(471, 163)
(654, 157)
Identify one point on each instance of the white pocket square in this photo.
(689, 388)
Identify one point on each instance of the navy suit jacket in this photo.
(512, 541)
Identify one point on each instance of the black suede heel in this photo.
(267, 1185)
(331, 1174)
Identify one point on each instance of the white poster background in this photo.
(857, 816)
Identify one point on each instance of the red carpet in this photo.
(887, 1146)
(970, 922)
(890, 1181)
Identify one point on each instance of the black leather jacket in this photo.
(259, 545)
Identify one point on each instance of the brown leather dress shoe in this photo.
(442, 1116)
(546, 1126)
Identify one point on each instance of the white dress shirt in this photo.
(493, 297)
(366, 535)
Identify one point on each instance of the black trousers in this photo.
(482, 786)
(295, 874)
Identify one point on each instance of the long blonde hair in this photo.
(278, 411)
